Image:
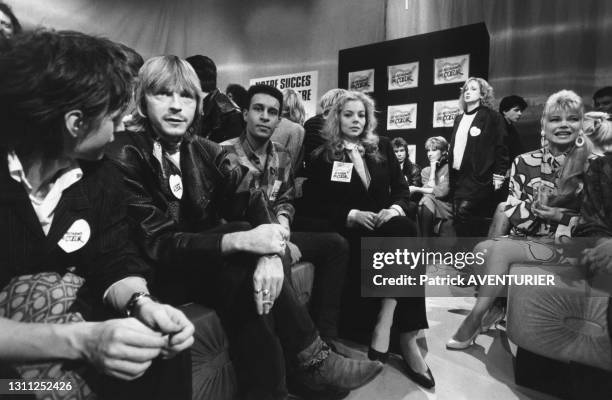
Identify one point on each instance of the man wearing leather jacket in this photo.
(180, 188)
(221, 118)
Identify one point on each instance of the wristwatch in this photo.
(133, 302)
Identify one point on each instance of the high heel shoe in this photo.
(426, 380)
(376, 355)
(454, 344)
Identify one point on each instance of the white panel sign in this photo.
(403, 76)
(362, 81)
(304, 83)
(402, 116)
(451, 69)
(444, 113)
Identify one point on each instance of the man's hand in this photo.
(367, 219)
(294, 252)
(123, 348)
(265, 239)
(385, 215)
(414, 189)
(171, 322)
(267, 282)
(599, 258)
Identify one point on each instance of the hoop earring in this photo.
(580, 140)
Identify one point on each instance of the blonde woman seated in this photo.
(543, 204)
(435, 208)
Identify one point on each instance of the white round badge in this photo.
(75, 237)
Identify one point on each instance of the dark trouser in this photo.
(360, 313)
(470, 216)
(258, 343)
(329, 253)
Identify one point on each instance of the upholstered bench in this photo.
(565, 322)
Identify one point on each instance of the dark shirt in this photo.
(106, 257)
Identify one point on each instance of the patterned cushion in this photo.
(46, 298)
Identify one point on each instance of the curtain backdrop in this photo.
(246, 38)
(537, 46)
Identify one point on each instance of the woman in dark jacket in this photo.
(355, 183)
(478, 157)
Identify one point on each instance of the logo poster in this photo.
(451, 69)
(304, 83)
(403, 76)
(362, 81)
(444, 113)
(401, 116)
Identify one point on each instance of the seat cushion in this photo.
(565, 321)
(213, 375)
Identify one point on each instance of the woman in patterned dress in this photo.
(543, 204)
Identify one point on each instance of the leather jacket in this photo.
(170, 230)
(221, 119)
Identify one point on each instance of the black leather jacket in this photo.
(221, 119)
(170, 230)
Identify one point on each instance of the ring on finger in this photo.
(257, 291)
(266, 292)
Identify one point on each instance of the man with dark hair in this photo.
(512, 107)
(65, 251)
(602, 99)
(9, 24)
(180, 187)
(269, 169)
(221, 119)
(237, 93)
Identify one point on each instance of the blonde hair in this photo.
(165, 73)
(598, 128)
(570, 175)
(333, 148)
(486, 93)
(294, 105)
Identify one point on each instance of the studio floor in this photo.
(484, 371)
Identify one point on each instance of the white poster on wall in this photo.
(451, 69)
(403, 76)
(362, 81)
(444, 113)
(403, 116)
(412, 153)
(304, 83)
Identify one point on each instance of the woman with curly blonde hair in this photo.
(478, 157)
(356, 184)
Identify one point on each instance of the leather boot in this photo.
(322, 370)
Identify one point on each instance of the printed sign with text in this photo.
(445, 112)
(362, 81)
(451, 69)
(403, 76)
(304, 83)
(403, 116)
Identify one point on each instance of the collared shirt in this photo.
(44, 207)
(271, 173)
(45, 210)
